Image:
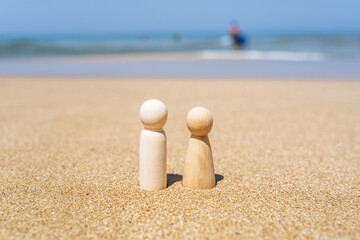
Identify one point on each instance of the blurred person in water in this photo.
(237, 37)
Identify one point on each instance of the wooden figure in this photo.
(199, 170)
(152, 154)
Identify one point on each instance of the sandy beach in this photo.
(286, 155)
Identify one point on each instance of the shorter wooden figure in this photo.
(199, 170)
(152, 154)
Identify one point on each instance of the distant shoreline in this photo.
(226, 55)
(221, 65)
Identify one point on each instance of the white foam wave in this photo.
(262, 55)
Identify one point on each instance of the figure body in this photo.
(199, 170)
(152, 153)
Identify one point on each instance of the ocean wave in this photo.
(277, 47)
(262, 55)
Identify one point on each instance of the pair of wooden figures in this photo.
(199, 167)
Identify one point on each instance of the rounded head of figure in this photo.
(153, 114)
(199, 121)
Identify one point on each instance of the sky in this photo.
(54, 16)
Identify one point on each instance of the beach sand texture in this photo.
(286, 155)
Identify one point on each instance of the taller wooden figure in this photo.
(152, 154)
(199, 170)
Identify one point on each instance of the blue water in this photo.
(267, 55)
(323, 46)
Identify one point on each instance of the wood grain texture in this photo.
(152, 160)
(199, 170)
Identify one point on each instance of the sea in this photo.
(267, 50)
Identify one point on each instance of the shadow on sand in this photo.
(173, 178)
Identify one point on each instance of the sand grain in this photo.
(288, 152)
